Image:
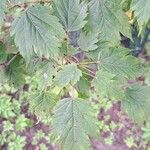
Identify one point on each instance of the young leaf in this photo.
(107, 17)
(21, 123)
(137, 102)
(18, 142)
(73, 122)
(141, 10)
(71, 13)
(69, 74)
(36, 30)
(6, 108)
(87, 42)
(115, 61)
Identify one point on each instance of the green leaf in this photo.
(41, 103)
(2, 76)
(69, 74)
(8, 126)
(17, 143)
(130, 141)
(137, 102)
(141, 11)
(102, 80)
(71, 13)
(10, 45)
(36, 30)
(83, 87)
(21, 123)
(126, 5)
(33, 64)
(73, 123)
(6, 108)
(118, 62)
(3, 10)
(3, 54)
(102, 45)
(107, 17)
(43, 146)
(15, 72)
(87, 41)
(105, 84)
(146, 132)
(44, 74)
(67, 49)
(17, 1)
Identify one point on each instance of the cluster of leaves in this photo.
(38, 42)
(10, 111)
(19, 128)
(22, 130)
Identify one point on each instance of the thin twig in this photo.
(38, 1)
(145, 38)
(87, 63)
(6, 64)
(11, 6)
(11, 60)
(87, 69)
(75, 58)
(88, 74)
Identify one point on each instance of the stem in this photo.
(27, 1)
(68, 41)
(89, 74)
(87, 63)
(38, 1)
(53, 60)
(13, 6)
(6, 64)
(145, 38)
(75, 58)
(138, 40)
(11, 60)
(87, 69)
